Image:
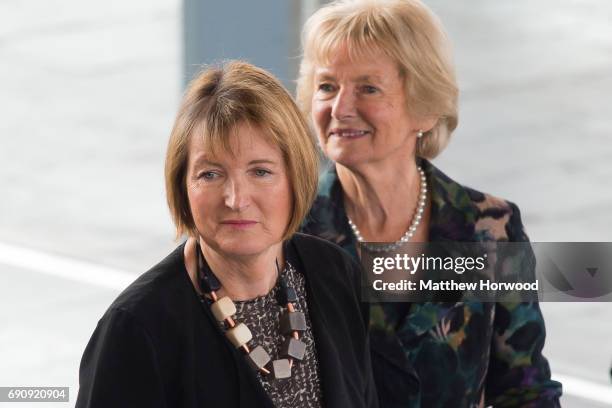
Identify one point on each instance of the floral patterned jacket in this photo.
(465, 354)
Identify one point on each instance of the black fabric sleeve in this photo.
(119, 367)
(370, 394)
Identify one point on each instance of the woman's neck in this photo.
(381, 197)
(244, 278)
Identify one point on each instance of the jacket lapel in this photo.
(331, 370)
(453, 218)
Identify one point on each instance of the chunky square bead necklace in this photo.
(292, 323)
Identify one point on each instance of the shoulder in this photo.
(324, 257)
(160, 294)
(334, 275)
(496, 218)
(463, 213)
(135, 349)
(327, 251)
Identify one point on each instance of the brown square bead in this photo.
(286, 295)
(292, 321)
(281, 369)
(293, 348)
(258, 358)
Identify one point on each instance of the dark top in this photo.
(262, 316)
(445, 354)
(158, 346)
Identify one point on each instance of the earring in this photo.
(420, 133)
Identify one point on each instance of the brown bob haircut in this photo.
(215, 103)
(406, 31)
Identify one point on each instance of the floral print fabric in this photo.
(462, 354)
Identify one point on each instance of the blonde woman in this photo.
(248, 313)
(378, 83)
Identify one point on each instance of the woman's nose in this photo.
(343, 106)
(236, 195)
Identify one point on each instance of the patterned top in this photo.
(463, 354)
(262, 316)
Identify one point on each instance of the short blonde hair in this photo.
(409, 33)
(216, 102)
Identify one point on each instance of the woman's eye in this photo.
(208, 175)
(261, 172)
(369, 89)
(326, 87)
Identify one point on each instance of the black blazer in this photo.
(158, 346)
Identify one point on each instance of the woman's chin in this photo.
(348, 159)
(240, 248)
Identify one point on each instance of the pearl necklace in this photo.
(416, 220)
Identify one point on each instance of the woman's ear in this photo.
(427, 123)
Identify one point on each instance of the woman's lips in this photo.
(348, 133)
(239, 223)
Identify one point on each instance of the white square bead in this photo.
(281, 369)
(258, 358)
(223, 308)
(239, 335)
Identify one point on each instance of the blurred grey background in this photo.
(88, 92)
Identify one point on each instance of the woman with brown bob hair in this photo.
(378, 83)
(248, 313)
